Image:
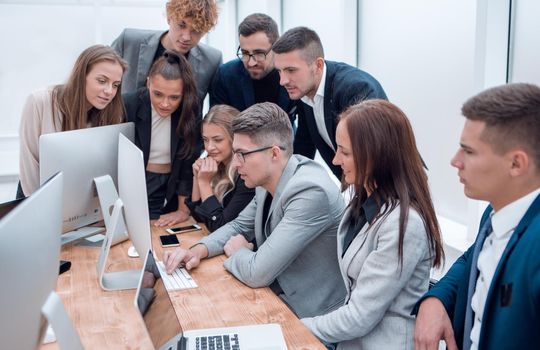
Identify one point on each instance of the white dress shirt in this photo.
(318, 109)
(504, 223)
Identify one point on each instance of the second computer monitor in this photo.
(81, 155)
(132, 192)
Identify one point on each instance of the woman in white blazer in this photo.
(388, 238)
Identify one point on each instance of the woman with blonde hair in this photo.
(218, 194)
(89, 98)
(388, 238)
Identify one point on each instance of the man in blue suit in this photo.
(324, 90)
(490, 298)
(252, 78)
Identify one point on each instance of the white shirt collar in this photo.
(320, 90)
(508, 217)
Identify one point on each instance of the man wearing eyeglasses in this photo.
(324, 90)
(293, 218)
(252, 78)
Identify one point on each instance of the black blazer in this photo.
(213, 214)
(345, 85)
(139, 111)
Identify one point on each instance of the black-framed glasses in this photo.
(242, 155)
(257, 55)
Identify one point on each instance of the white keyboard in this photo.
(179, 279)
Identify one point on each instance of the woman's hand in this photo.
(207, 169)
(172, 218)
(196, 167)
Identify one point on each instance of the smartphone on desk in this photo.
(169, 241)
(187, 228)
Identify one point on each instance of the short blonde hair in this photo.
(204, 13)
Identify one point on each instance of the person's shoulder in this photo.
(344, 72)
(233, 66)
(209, 52)
(137, 32)
(41, 95)
(309, 173)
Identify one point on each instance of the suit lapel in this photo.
(329, 115)
(175, 119)
(195, 60)
(147, 51)
(144, 125)
(531, 213)
(287, 174)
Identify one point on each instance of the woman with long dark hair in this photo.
(388, 238)
(166, 130)
(89, 98)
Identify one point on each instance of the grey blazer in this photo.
(138, 47)
(380, 296)
(298, 244)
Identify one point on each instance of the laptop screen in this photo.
(155, 305)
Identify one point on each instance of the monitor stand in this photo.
(119, 280)
(107, 195)
(56, 315)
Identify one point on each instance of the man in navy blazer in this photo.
(324, 90)
(490, 298)
(252, 78)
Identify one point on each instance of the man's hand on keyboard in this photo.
(180, 257)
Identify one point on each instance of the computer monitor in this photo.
(132, 191)
(29, 257)
(133, 203)
(82, 155)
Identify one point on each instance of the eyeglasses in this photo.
(242, 155)
(257, 55)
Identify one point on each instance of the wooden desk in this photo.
(109, 320)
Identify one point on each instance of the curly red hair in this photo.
(203, 13)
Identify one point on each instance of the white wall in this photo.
(430, 56)
(525, 57)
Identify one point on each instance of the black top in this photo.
(214, 214)
(159, 52)
(267, 88)
(139, 111)
(367, 214)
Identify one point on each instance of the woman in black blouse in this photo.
(166, 130)
(218, 193)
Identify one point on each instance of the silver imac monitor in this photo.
(29, 257)
(132, 191)
(81, 155)
(134, 206)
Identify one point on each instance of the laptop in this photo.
(162, 325)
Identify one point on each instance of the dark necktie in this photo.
(484, 232)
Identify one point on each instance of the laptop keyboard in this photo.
(179, 279)
(218, 342)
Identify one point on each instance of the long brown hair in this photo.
(174, 66)
(70, 98)
(388, 165)
(222, 116)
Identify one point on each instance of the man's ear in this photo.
(521, 162)
(319, 62)
(276, 151)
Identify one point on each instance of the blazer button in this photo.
(214, 218)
